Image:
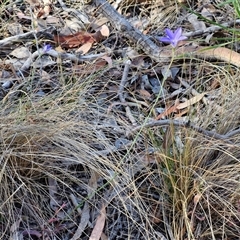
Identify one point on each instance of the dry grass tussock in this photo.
(189, 192)
(64, 155)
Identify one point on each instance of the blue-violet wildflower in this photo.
(46, 48)
(173, 37)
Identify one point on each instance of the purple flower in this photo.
(173, 37)
(46, 48)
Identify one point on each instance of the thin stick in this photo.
(232, 133)
(162, 123)
(212, 29)
(161, 54)
(123, 81)
(194, 92)
(68, 56)
(121, 91)
(18, 37)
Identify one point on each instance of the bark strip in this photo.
(163, 54)
(122, 25)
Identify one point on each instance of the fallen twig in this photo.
(162, 54)
(193, 91)
(121, 103)
(85, 216)
(212, 29)
(77, 14)
(122, 25)
(121, 90)
(17, 38)
(168, 122)
(67, 56)
(123, 81)
(232, 133)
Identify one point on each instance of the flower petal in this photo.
(173, 38)
(182, 38)
(169, 33)
(178, 33)
(46, 48)
(165, 39)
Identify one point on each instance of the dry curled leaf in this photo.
(98, 228)
(74, 40)
(20, 52)
(197, 198)
(144, 94)
(85, 48)
(167, 112)
(92, 67)
(191, 101)
(104, 30)
(81, 38)
(34, 3)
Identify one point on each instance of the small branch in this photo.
(125, 27)
(124, 81)
(193, 91)
(232, 133)
(121, 91)
(75, 12)
(212, 29)
(85, 216)
(31, 34)
(122, 103)
(161, 54)
(67, 56)
(162, 123)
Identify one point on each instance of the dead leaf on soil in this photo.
(167, 112)
(15, 28)
(16, 63)
(197, 198)
(92, 184)
(72, 25)
(74, 40)
(193, 215)
(180, 114)
(104, 236)
(81, 38)
(104, 30)
(20, 52)
(197, 25)
(144, 94)
(137, 59)
(92, 67)
(21, 15)
(34, 3)
(191, 101)
(44, 12)
(108, 60)
(85, 48)
(52, 20)
(85, 216)
(209, 11)
(52, 191)
(99, 22)
(98, 228)
(44, 61)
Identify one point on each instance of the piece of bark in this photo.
(122, 25)
(162, 54)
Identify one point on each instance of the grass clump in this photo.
(66, 154)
